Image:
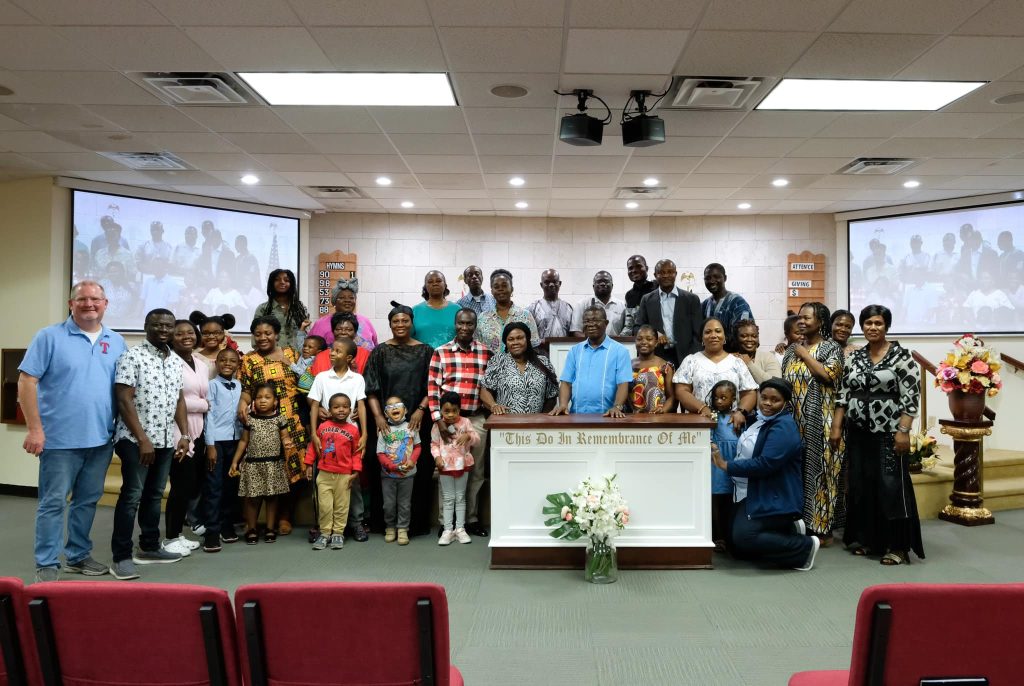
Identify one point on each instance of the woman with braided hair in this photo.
(814, 367)
(283, 304)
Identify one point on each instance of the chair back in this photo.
(344, 633)
(144, 634)
(909, 633)
(14, 632)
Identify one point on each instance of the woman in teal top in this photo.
(434, 318)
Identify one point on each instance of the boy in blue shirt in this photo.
(220, 491)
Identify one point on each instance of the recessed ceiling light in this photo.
(744, 206)
(911, 184)
(632, 205)
(516, 181)
(383, 181)
(250, 179)
(839, 94)
(407, 204)
(522, 204)
(650, 181)
(509, 90)
(352, 88)
(4, 90)
(779, 183)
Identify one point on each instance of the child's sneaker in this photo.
(320, 543)
(389, 535)
(337, 541)
(447, 536)
(403, 537)
(211, 543)
(462, 536)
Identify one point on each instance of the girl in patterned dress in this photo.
(651, 390)
(259, 460)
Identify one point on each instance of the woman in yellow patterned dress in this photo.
(270, 363)
(651, 390)
(814, 368)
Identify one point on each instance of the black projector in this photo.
(581, 129)
(642, 131)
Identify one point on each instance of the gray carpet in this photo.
(732, 625)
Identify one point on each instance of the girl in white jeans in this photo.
(451, 441)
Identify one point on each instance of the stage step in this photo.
(1003, 487)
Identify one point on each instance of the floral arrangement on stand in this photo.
(595, 509)
(922, 451)
(970, 368)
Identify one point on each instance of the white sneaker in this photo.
(800, 527)
(199, 529)
(176, 546)
(462, 536)
(446, 538)
(815, 545)
(188, 542)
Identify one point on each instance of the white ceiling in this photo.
(68, 63)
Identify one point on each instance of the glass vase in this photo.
(602, 566)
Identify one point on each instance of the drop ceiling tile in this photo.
(961, 125)
(8, 124)
(432, 144)
(474, 90)
(819, 194)
(846, 181)
(141, 48)
(351, 144)
(239, 119)
(664, 180)
(503, 50)
(688, 205)
(584, 180)
(583, 193)
(382, 49)
(679, 146)
(835, 147)
(191, 142)
(285, 196)
(686, 193)
(447, 193)
(56, 117)
(517, 13)
(735, 165)
(1013, 129)
(870, 124)
(82, 161)
(996, 18)
(33, 141)
(12, 161)
(730, 206)
(125, 176)
(783, 124)
(445, 164)
(859, 55)
(661, 165)
(504, 120)
(906, 16)
(423, 204)
(328, 119)
(516, 164)
(106, 141)
(981, 99)
(234, 178)
(261, 48)
(182, 178)
(949, 147)
(693, 123)
(795, 181)
(970, 58)
(798, 206)
(119, 13)
(227, 12)
(419, 119)
(781, 15)
(382, 193)
(652, 14)
(232, 162)
(509, 204)
(391, 13)
(147, 118)
(279, 143)
(215, 191)
(349, 163)
(1007, 167)
(464, 204)
(755, 147)
(615, 84)
(12, 15)
(521, 144)
(294, 162)
(40, 47)
(601, 51)
(612, 145)
(364, 179)
(764, 193)
(576, 204)
(729, 53)
(359, 205)
(808, 165)
(943, 167)
(610, 164)
(881, 195)
(77, 88)
(451, 181)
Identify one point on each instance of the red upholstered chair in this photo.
(14, 632)
(141, 634)
(308, 634)
(919, 634)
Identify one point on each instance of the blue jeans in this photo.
(220, 491)
(79, 473)
(142, 488)
(768, 539)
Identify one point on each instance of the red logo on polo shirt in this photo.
(105, 345)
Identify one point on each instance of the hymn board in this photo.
(332, 266)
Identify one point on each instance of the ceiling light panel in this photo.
(352, 89)
(838, 94)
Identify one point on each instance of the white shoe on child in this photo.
(462, 536)
(446, 538)
(175, 545)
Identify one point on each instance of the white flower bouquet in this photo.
(595, 509)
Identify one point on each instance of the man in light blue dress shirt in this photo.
(597, 371)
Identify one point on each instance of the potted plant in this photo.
(968, 375)
(595, 509)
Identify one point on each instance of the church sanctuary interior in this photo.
(849, 152)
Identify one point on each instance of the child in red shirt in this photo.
(339, 464)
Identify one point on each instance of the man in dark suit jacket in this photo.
(683, 337)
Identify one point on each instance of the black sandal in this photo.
(270, 536)
(895, 558)
(251, 537)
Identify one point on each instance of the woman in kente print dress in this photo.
(651, 390)
(814, 368)
(270, 363)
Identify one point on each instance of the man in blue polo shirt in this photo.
(597, 371)
(66, 391)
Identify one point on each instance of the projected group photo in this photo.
(149, 254)
(942, 272)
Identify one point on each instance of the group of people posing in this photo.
(327, 404)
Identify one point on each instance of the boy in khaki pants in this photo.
(338, 466)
